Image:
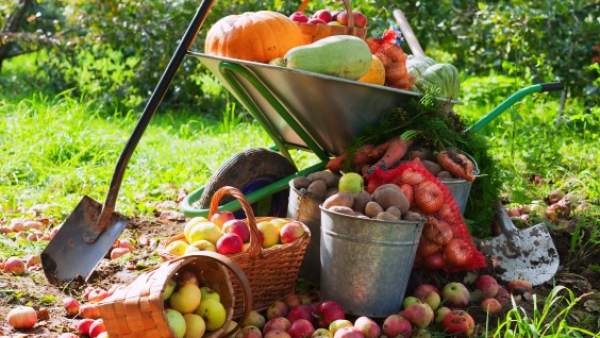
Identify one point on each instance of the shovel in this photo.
(89, 232)
(527, 254)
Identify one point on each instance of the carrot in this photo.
(397, 148)
(378, 151)
(361, 156)
(457, 164)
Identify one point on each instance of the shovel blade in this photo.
(68, 256)
(527, 254)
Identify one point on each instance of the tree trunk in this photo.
(12, 25)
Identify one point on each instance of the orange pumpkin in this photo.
(254, 36)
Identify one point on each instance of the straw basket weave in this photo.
(317, 32)
(273, 271)
(137, 310)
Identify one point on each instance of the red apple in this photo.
(123, 243)
(279, 323)
(323, 14)
(348, 332)
(299, 17)
(96, 328)
(238, 227)
(316, 21)
(97, 295)
(277, 309)
(71, 306)
(397, 326)
(519, 286)
(458, 322)
(301, 312)
(368, 327)
(292, 300)
(488, 286)
(503, 296)
(491, 306)
(14, 265)
(329, 311)
(229, 244)
(277, 334)
(360, 20)
(441, 313)
(83, 326)
(291, 232)
(420, 315)
(118, 252)
(249, 332)
(221, 217)
(456, 294)
(423, 290)
(68, 335)
(434, 261)
(90, 311)
(22, 317)
(301, 328)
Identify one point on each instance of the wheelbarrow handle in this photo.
(408, 33)
(151, 107)
(510, 101)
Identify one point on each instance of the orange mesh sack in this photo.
(446, 242)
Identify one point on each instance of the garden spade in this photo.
(89, 232)
(527, 254)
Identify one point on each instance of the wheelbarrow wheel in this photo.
(248, 171)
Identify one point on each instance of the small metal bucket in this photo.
(366, 263)
(305, 209)
(461, 188)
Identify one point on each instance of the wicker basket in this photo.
(272, 272)
(137, 310)
(317, 32)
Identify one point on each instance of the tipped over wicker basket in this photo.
(137, 310)
(314, 32)
(273, 271)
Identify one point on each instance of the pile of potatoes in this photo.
(319, 185)
(387, 203)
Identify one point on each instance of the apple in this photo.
(176, 322)
(230, 244)
(397, 326)
(97, 328)
(519, 286)
(168, 290)
(118, 252)
(441, 313)
(299, 17)
(433, 300)
(301, 312)
(277, 309)
(368, 327)
(186, 277)
(476, 295)
(323, 14)
(488, 286)
(83, 326)
(279, 324)
(408, 301)
(194, 326)
(301, 328)
(305, 298)
(22, 317)
(458, 322)
(14, 265)
(351, 182)
(421, 333)
(207, 231)
(316, 21)
(348, 332)
(279, 222)
(292, 300)
(434, 261)
(503, 296)
(338, 325)
(248, 332)
(270, 233)
(221, 217)
(71, 306)
(123, 243)
(420, 315)
(213, 313)
(33, 237)
(277, 334)
(291, 232)
(238, 227)
(491, 306)
(177, 248)
(254, 319)
(456, 294)
(423, 290)
(208, 293)
(89, 311)
(190, 224)
(97, 295)
(328, 312)
(33, 260)
(360, 20)
(186, 299)
(322, 333)
(204, 245)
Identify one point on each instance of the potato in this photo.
(331, 191)
(394, 211)
(390, 195)
(444, 175)
(372, 209)
(359, 215)
(385, 216)
(342, 210)
(422, 154)
(360, 201)
(300, 182)
(328, 177)
(317, 189)
(341, 198)
(432, 167)
(413, 216)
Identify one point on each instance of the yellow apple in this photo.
(190, 224)
(213, 313)
(176, 322)
(177, 248)
(279, 222)
(204, 245)
(205, 231)
(195, 326)
(270, 233)
(208, 293)
(186, 299)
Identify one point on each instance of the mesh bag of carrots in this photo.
(446, 243)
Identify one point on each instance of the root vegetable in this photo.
(413, 216)
(385, 216)
(409, 193)
(434, 262)
(372, 209)
(394, 211)
(444, 175)
(342, 210)
(390, 195)
(318, 189)
(411, 177)
(300, 182)
(395, 151)
(432, 167)
(457, 164)
(360, 201)
(456, 252)
(341, 198)
(437, 231)
(328, 177)
(428, 197)
(427, 248)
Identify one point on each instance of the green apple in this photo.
(270, 233)
(168, 290)
(195, 326)
(190, 224)
(213, 313)
(408, 301)
(186, 299)
(176, 322)
(208, 293)
(255, 319)
(177, 248)
(351, 182)
(339, 324)
(205, 231)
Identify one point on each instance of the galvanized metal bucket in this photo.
(366, 263)
(305, 209)
(461, 188)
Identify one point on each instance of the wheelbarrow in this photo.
(298, 109)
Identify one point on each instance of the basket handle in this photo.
(255, 245)
(347, 6)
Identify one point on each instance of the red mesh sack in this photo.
(446, 242)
